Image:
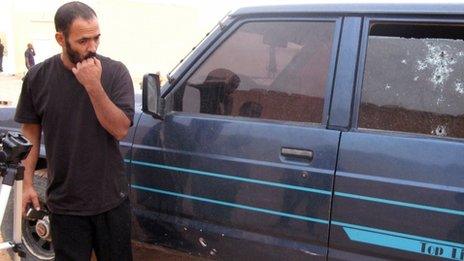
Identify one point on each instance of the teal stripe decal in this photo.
(362, 234)
(216, 175)
(402, 204)
(395, 234)
(125, 144)
(299, 188)
(412, 244)
(234, 205)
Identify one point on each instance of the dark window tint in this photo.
(413, 80)
(271, 70)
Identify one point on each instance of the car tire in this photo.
(36, 248)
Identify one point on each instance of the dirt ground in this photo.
(3, 255)
(141, 252)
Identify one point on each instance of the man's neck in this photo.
(67, 63)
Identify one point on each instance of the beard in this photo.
(74, 56)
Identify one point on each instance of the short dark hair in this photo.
(67, 13)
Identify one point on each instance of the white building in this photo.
(146, 35)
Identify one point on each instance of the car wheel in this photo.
(35, 233)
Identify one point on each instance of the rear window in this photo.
(413, 79)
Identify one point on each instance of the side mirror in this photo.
(152, 103)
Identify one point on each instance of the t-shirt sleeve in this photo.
(25, 111)
(123, 92)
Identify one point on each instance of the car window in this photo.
(413, 79)
(270, 70)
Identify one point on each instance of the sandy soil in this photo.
(3, 254)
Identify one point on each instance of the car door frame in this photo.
(210, 46)
(234, 25)
(352, 127)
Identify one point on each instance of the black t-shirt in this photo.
(85, 168)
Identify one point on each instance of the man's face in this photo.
(83, 40)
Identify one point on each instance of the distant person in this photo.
(29, 56)
(2, 49)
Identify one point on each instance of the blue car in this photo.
(307, 132)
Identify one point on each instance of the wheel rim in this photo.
(39, 247)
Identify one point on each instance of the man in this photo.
(84, 104)
(29, 56)
(2, 49)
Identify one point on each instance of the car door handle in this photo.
(297, 153)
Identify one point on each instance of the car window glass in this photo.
(413, 79)
(271, 70)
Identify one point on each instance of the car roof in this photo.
(353, 9)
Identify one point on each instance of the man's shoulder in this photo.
(110, 63)
(107, 60)
(43, 66)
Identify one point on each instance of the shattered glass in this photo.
(414, 85)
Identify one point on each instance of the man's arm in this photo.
(32, 133)
(108, 114)
(113, 119)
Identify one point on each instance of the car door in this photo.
(242, 165)
(399, 188)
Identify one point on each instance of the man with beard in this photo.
(84, 104)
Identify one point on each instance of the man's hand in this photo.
(111, 118)
(30, 197)
(32, 133)
(88, 73)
